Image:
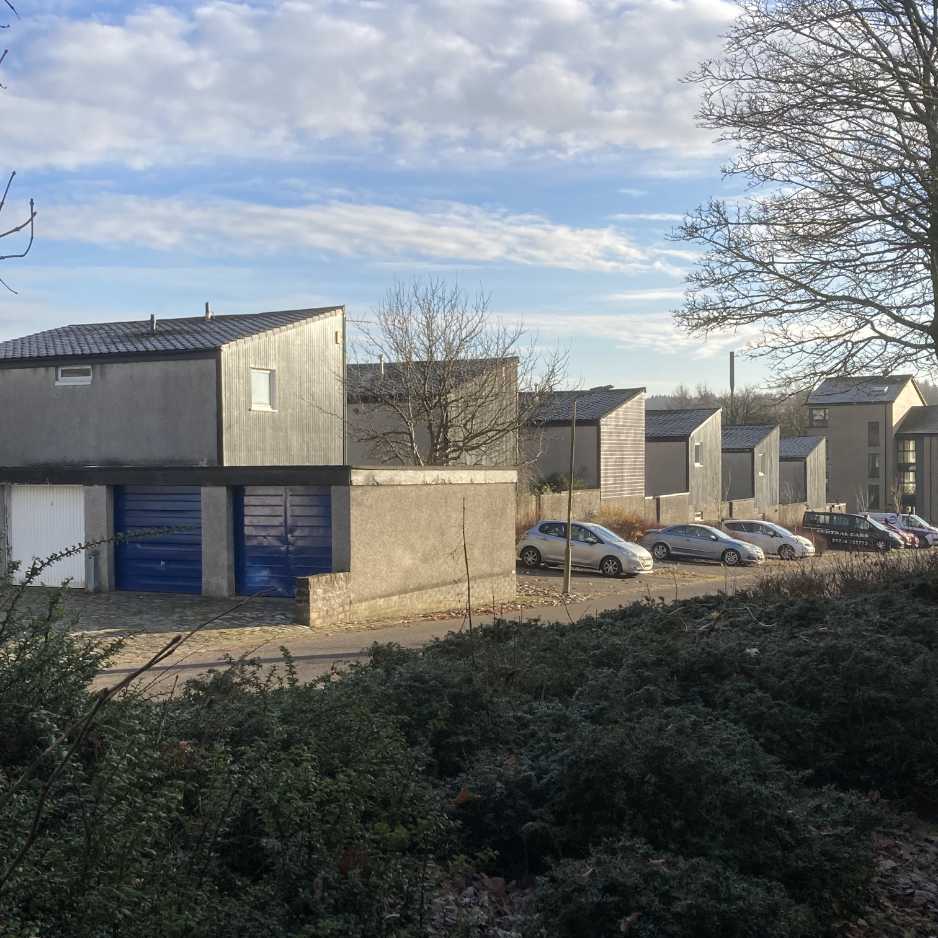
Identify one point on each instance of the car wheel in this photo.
(531, 557)
(610, 566)
(661, 551)
(731, 557)
(786, 552)
(922, 541)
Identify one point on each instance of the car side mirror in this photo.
(713, 537)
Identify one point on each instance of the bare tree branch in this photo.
(832, 262)
(445, 383)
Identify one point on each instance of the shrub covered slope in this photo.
(700, 769)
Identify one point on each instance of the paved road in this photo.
(316, 652)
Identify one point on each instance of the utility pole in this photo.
(568, 555)
(732, 387)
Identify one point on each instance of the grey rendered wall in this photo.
(705, 480)
(132, 413)
(737, 471)
(666, 463)
(548, 450)
(622, 450)
(792, 481)
(766, 482)
(306, 427)
(366, 420)
(407, 546)
(99, 526)
(218, 560)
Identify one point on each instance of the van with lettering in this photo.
(850, 532)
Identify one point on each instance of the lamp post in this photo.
(568, 553)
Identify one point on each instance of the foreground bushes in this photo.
(700, 769)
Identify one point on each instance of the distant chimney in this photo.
(381, 364)
(153, 323)
(208, 312)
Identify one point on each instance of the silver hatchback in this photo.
(592, 547)
(701, 542)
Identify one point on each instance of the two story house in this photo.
(869, 459)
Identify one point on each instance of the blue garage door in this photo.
(161, 563)
(282, 533)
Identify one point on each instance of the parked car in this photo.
(701, 542)
(771, 537)
(593, 547)
(851, 532)
(927, 534)
(909, 540)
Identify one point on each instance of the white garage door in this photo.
(46, 519)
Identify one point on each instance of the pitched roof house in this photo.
(859, 418)
(254, 389)
(683, 454)
(803, 470)
(610, 439)
(750, 465)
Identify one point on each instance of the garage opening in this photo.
(45, 520)
(281, 533)
(169, 562)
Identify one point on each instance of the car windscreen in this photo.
(877, 525)
(915, 521)
(605, 533)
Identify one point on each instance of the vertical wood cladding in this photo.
(622, 450)
(305, 426)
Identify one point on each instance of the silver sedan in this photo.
(701, 542)
(592, 546)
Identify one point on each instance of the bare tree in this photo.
(25, 227)
(832, 106)
(444, 382)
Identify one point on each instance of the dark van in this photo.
(850, 532)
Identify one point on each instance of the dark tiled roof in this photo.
(869, 389)
(590, 405)
(798, 447)
(920, 420)
(190, 334)
(746, 436)
(667, 424)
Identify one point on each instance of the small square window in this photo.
(698, 454)
(263, 389)
(819, 416)
(73, 375)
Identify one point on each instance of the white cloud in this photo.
(434, 231)
(646, 296)
(647, 216)
(317, 79)
(654, 332)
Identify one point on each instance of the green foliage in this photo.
(699, 769)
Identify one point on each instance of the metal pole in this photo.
(568, 555)
(732, 387)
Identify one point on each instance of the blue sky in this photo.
(270, 155)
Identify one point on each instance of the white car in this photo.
(592, 546)
(772, 538)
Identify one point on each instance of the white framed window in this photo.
(762, 463)
(263, 389)
(73, 375)
(698, 454)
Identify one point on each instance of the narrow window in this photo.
(698, 454)
(263, 389)
(762, 463)
(73, 375)
(873, 459)
(872, 499)
(872, 432)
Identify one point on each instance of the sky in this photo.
(278, 155)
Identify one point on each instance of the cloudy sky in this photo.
(272, 155)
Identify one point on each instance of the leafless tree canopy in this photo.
(24, 227)
(446, 383)
(832, 108)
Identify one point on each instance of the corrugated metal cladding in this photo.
(281, 533)
(622, 450)
(45, 520)
(159, 563)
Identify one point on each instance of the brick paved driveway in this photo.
(124, 613)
